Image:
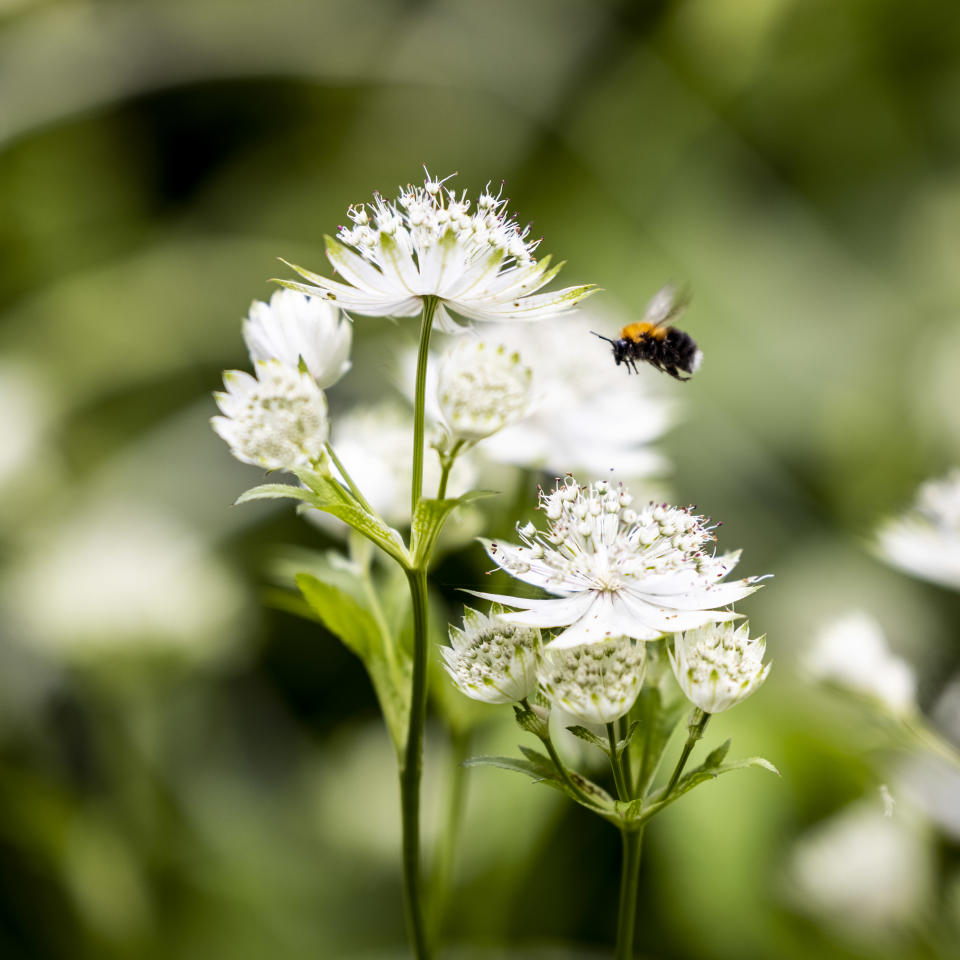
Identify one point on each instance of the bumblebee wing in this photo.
(666, 305)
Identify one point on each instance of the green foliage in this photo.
(389, 669)
(429, 518)
(657, 717)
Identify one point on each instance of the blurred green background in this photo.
(187, 773)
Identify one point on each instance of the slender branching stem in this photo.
(446, 466)
(623, 791)
(342, 470)
(423, 355)
(629, 882)
(695, 728)
(623, 728)
(411, 768)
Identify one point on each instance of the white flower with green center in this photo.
(615, 571)
(926, 542)
(851, 653)
(718, 665)
(492, 661)
(481, 388)
(276, 420)
(429, 243)
(292, 328)
(597, 683)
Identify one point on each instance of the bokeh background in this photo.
(187, 771)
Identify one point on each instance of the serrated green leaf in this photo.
(389, 672)
(716, 756)
(429, 518)
(527, 767)
(276, 491)
(590, 737)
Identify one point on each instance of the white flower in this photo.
(718, 665)
(926, 541)
(481, 388)
(852, 653)
(120, 576)
(615, 571)
(597, 683)
(492, 661)
(586, 416)
(292, 327)
(867, 874)
(375, 444)
(479, 264)
(276, 420)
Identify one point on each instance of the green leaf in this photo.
(276, 491)
(584, 734)
(656, 721)
(389, 672)
(527, 767)
(428, 521)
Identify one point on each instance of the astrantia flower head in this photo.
(276, 420)
(491, 660)
(616, 571)
(481, 388)
(926, 542)
(718, 665)
(430, 241)
(292, 328)
(851, 653)
(597, 683)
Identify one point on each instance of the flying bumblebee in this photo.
(656, 341)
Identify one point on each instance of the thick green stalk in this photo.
(623, 791)
(411, 769)
(423, 355)
(629, 882)
(446, 466)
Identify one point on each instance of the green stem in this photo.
(623, 792)
(354, 489)
(423, 355)
(629, 882)
(446, 467)
(696, 726)
(446, 855)
(623, 728)
(411, 768)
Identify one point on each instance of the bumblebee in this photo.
(656, 341)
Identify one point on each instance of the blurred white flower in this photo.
(121, 575)
(851, 653)
(868, 875)
(718, 665)
(586, 416)
(925, 541)
(375, 445)
(26, 412)
(492, 661)
(616, 572)
(276, 420)
(428, 243)
(293, 327)
(598, 683)
(481, 388)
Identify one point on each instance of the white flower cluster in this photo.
(851, 653)
(481, 388)
(615, 571)
(492, 661)
(428, 242)
(278, 419)
(718, 665)
(926, 541)
(598, 683)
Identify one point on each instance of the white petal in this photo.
(359, 272)
(542, 613)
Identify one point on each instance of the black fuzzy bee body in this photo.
(655, 341)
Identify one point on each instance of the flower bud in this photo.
(718, 665)
(493, 661)
(596, 683)
(481, 389)
(293, 327)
